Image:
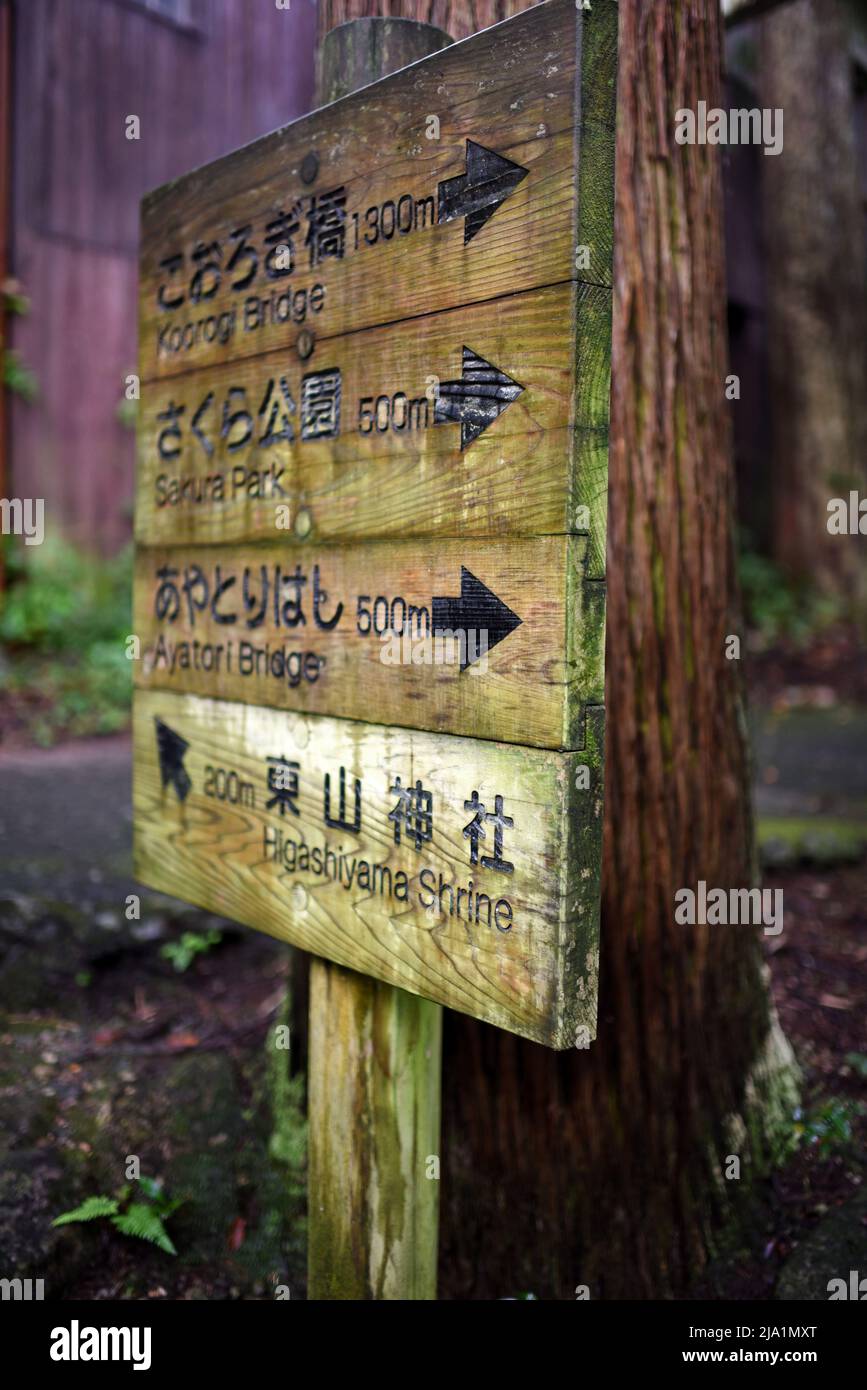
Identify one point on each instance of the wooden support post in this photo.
(374, 1106)
(374, 1051)
(363, 50)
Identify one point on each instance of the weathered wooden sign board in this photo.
(470, 639)
(370, 523)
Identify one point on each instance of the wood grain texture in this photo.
(528, 965)
(410, 478)
(457, 17)
(529, 293)
(374, 1132)
(380, 1084)
(526, 290)
(354, 55)
(529, 687)
(513, 90)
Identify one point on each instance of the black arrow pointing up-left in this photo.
(482, 394)
(170, 750)
(478, 611)
(477, 194)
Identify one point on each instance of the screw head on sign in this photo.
(303, 524)
(309, 167)
(306, 343)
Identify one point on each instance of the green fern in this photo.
(142, 1221)
(90, 1209)
(182, 953)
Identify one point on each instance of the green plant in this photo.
(90, 1209)
(776, 608)
(61, 599)
(16, 376)
(19, 378)
(127, 413)
(15, 301)
(858, 1062)
(192, 943)
(141, 1219)
(829, 1127)
(64, 620)
(288, 1142)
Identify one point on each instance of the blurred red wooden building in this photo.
(203, 78)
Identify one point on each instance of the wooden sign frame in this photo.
(423, 418)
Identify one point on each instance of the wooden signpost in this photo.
(370, 524)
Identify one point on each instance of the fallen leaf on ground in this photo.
(103, 1037)
(834, 1001)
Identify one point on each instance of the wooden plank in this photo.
(363, 632)
(353, 437)
(374, 1130)
(450, 183)
(492, 286)
(520, 953)
(379, 1082)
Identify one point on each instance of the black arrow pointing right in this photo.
(477, 194)
(482, 394)
(479, 611)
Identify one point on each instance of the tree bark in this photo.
(817, 294)
(605, 1168)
